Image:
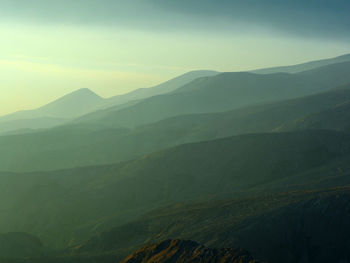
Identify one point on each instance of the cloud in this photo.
(322, 18)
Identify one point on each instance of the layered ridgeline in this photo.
(79, 145)
(103, 140)
(223, 92)
(282, 174)
(304, 66)
(84, 101)
(66, 207)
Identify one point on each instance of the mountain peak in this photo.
(82, 92)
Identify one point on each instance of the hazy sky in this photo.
(51, 47)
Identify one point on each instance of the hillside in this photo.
(305, 226)
(104, 196)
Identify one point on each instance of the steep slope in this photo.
(68, 206)
(304, 66)
(20, 245)
(178, 251)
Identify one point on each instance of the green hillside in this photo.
(64, 207)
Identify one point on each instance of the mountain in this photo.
(163, 88)
(224, 92)
(179, 251)
(304, 66)
(20, 245)
(55, 113)
(69, 106)
(84, 101)
(296, 226)
(92, 144)
(44, 203)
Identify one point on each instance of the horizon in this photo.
(114, 47)
(163, 81)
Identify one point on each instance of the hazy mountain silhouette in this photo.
(304, 66)
(69, 106)
(84, 101)
(80, 145)
(163, 88)
(224, 92)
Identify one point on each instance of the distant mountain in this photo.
(85, 101)
(19, 245)
(91, 144)
(304, 66)
(224, 92)
(179, 251)
(69, 106)
(163, 88)
(55, 113)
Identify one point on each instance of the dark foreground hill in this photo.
(68, 206)
(304, 226)
(178, 251)
(298, 226)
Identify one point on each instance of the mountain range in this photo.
(232, 161)
(84, 101)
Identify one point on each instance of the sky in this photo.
(49, 48)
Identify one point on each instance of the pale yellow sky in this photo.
(39, 63)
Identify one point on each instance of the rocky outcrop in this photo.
(179, 251)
